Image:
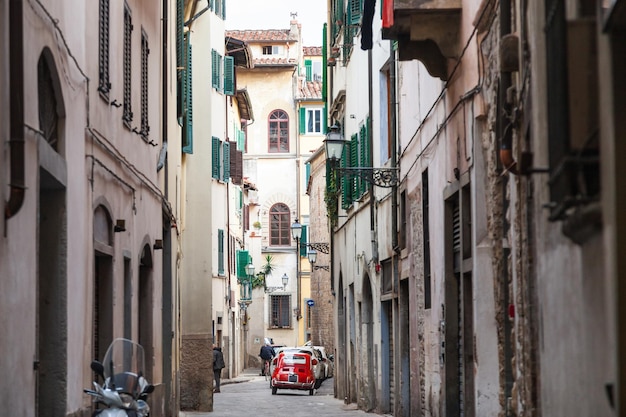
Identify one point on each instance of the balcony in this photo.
(426, 30)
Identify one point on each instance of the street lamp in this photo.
(296, 233)
(285, 280)
(246, 284)
(335, 144)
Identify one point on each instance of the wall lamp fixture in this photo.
(120, 225)
(335, 144)
(284, 287)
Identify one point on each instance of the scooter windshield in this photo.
(123, 365)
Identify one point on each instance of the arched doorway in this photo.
(51, 316)
(146, 308)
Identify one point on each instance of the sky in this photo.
(275, 14)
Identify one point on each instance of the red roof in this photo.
(257, 35)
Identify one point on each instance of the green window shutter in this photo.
(302, 120)
(354, 10)
(214, 69)
(215, 158)
(307, 168)
(308, 67)
(240, 198)
(180, 42)
(303, 242)
(229, 75)
(223, 9)
(346, 181)
(226, 152)
(220, 252)
(188, 108)
(354, 162)
(242, 260)
(211, 4)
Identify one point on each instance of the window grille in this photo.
(280, 311)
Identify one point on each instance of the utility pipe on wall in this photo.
(16, 93)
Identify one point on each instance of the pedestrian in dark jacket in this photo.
(218, 365)
(266, 354)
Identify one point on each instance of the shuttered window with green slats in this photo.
(188, 99)
(229, 75)
(220, 252)
(215, 157)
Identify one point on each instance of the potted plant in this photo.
(257, 225)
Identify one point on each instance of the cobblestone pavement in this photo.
(249, 395)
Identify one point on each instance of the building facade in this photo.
(487, 278)
(80, 254)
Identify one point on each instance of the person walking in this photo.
(266, 354)
(218, 365)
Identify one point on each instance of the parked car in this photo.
(318, 367)
(327, 363)
(293, 370)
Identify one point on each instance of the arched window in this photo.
(280, 225)
(278, 131)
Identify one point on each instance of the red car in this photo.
(293, 370)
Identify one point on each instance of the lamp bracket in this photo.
(272, 289)
(320, 247)
(381, 177)
(324, 267)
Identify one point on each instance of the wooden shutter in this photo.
(226, 155)
(215, 158)
(302, 120)
(236, 164)
(242, 260)
(188, 100)
(220, 252)
(229, 75)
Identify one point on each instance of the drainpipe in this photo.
(16, 92)
(393, 120)
(370, 100)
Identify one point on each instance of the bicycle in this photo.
(266, 369)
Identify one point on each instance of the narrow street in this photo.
(250, 394)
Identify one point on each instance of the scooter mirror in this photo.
(98, 368)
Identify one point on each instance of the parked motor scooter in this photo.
(124, 390)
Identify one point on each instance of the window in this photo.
(48, 103)
(426, 238)
(216, 70)
(280, 225)
(385, 111)
(220, 158)
(356, 154)
(272, 50)
(104, 84)
(220, 252)
(187, 99)
(314, 121)
(180, 59)
(145, 125)
(280, 306)
(229, 75)
(278, 131)
(127, 114)
(317, 71)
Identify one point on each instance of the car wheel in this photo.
(311, 391)
(274, 390)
